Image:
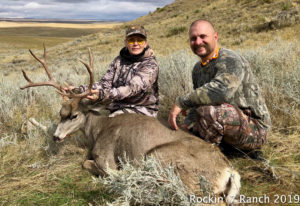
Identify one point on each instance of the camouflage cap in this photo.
(136, 29)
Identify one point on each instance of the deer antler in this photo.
(90, 69)
(51, 81)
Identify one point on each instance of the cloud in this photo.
(120, 10)
(33, 5)
(72, 1)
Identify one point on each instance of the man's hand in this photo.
(172, 116)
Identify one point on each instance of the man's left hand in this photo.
(172, 116)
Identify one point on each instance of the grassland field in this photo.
(14, 35)
(33, 171)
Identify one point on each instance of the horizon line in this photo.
(15, 19)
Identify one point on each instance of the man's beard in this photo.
(208, 49)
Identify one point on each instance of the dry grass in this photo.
(43, 173)
(236, 27)
(104, 25)
(34, 171)
(17, 38)
(236, 21)
(279, 174)
(32, 174)
(277, 67)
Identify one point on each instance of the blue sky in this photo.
(106, 10)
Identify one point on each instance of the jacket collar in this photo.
(147, 52)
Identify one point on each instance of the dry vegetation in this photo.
(104, 25)
(35, 171)
(16, 38)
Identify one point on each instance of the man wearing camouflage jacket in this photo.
(131, 79)
(226, 104)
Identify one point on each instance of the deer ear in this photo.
(95, 108)
(99, 110)
(106, 102)
(85, 102)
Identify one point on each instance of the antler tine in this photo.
(45, 57)
(90, 69)
(91, 59)
(43, 61)
(32, 84)
(25, 76)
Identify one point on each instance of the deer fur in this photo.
(138, 136)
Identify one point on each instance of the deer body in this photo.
(138, 136)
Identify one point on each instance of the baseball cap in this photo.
(136, 29)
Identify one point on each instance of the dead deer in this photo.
(139, 136)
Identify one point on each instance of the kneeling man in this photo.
(226, 104)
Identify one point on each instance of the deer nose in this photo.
(57, 139)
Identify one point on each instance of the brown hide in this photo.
(139, 135)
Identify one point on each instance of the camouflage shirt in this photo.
(131, 83)
(226, 79)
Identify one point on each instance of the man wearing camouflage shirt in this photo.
(226, 104)
(131, 79)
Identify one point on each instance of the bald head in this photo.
(203, 23)
(203, 39)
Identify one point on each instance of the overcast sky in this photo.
(79, 9)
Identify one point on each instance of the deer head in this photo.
(72, 114)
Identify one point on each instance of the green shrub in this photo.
(176, 30)
(158, 9)
(286, 5)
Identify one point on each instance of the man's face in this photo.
(135, 44)
(203, 40)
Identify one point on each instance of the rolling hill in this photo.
(34, 171)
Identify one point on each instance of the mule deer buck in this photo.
(139, 136)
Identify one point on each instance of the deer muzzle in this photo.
(58, 139)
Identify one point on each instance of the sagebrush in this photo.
(276, 66)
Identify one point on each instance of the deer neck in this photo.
(93, 126)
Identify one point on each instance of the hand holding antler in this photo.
(90, 69)
(94, 95)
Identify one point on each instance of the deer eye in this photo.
(73, 117)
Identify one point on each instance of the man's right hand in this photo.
(172, 116)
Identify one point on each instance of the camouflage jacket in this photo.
(227, 79)
(131, 83)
